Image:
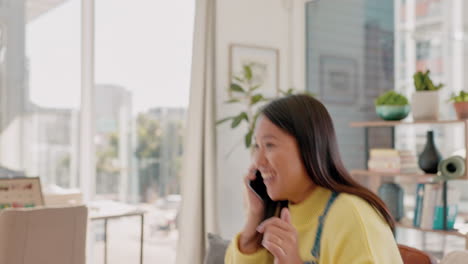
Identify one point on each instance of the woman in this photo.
(330, 219)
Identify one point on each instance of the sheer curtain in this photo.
(198, 211)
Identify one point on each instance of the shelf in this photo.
(402, 123)
(442, 232)
(374, 180)
(418, 176)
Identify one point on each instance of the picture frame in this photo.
(338, 79)
(24, 192)
(264, 62)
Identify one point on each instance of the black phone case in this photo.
(271, 207)
(259, 187)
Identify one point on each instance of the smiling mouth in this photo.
(267, 177)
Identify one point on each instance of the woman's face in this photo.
(277, 157)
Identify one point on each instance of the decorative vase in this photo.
(430, 157)
(392, 194)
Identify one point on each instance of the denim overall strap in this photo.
(318, 236)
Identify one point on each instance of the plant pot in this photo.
(392, 112)
(461, 108)
(425, 105)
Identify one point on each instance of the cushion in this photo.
(217, 247)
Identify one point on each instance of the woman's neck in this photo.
(302, 194)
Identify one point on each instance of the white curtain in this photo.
(198, 211)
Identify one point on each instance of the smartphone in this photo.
(272, 208)
(259, 187)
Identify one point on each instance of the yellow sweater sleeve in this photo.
(355, 233)
(234, 256)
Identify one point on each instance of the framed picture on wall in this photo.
(338, 79)
(263, 63)
(20, 193)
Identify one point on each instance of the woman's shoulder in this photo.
(353, 209)
(354, 231)
(355, 218)
(351, 200)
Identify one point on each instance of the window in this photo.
(142, 66)
(51, 83)
(142, 75)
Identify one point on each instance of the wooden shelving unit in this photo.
(393, 124)
(376, 177)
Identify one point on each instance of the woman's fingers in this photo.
(287, 236)
(275, 250)
(250, 176)
(251, 173)
(280, 239)
(273, 238)
(275, 221)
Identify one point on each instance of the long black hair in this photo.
(309, 122)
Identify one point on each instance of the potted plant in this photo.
(392, 106)
(425, 101)
(246, 92)
(460, 103)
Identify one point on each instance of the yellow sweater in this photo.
(353, 233)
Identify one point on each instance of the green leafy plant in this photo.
(423, 82)
(461, 97)
(245, 91)
(391, 98)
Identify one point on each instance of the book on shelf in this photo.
(392, 161)
(429, 212)
(453, 198)
(419, 204)
(383, 152)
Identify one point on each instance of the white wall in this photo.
(252, 22)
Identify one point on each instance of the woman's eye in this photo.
(255, 146)
(269, 145)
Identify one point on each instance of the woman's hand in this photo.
(250, 239)
(280, 238)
